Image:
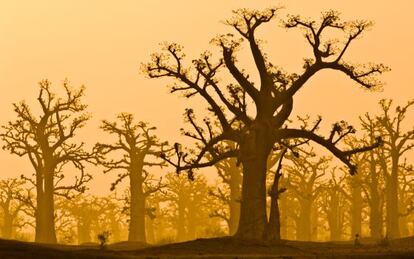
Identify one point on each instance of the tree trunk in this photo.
(314, 222)
(393, 230)
(255, 151)
(7, 228)
(137, 209)
(283, 217)
(181, 233)
(150, 230)
(191, 220)
(273, 226)
(235, 193)
(375, 217)
(45, 217)
(304, 230)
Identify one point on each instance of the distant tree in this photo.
(352, 189)
(334, 204)
(373, 180)
(231, 176)
(405, 196)
(84, 211)
(10, 206)
(46, 140)
(257, 127)
(133, 149)
(305, 175)
(397, 142)
(188, 203)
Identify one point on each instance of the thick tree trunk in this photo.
(150, 230)
(334, 218)
(137, 209)
(304, 230)
(253, 218)
(255, 151)
(393, 230)
(314, 222)
(191, 220)
(181, 233)
(235, 195)
(7, 227)
(45, 218)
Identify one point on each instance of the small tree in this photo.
(135, 144)
(10, 205)
(45, 140)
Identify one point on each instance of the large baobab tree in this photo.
(46, 139)
(132, 152)
(253, 114)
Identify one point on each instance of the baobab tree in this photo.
(373, 180)
(253, 114)
(333, 204)
(135, 145)
(305, 175)
(46, 140)
(397, 142)
(231, 177)
(10, 205)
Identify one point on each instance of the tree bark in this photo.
(45, 218)
(304, 230)
(235, 195)
(393, 230)
(7, 227)
(181, 233)
(255, 151)
(137, 209)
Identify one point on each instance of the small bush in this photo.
(103, 239)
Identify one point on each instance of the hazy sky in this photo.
(101, 44)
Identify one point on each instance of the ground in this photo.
(209, 248)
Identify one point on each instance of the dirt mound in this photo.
(206, 248)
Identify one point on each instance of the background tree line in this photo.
(272, 181)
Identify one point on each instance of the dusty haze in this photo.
(101, 44)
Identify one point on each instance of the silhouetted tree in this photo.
(231, 176)
(257, 127)
(397, 142)
(10, 205)
(46, 140)
(135, 144)
(373, 180)
(84, 211)
(405, 196)
(334, 205)
(305, 175)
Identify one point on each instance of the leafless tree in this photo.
(253, 114)
(135, 145)
(46, 139)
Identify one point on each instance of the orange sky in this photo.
(102, 43)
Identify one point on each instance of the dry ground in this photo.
(209, 248)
